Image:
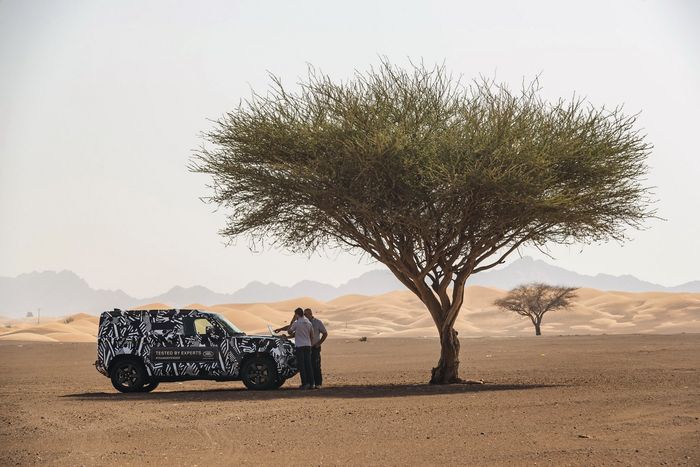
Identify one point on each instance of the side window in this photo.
(162, 323)
(194, 326)
(201, 325)
(163, 326)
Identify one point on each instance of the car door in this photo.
(204, 339)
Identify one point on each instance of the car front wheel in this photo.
(259, 373)
(278, 384)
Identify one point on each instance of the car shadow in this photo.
(350, 391)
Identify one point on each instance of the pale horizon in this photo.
(475, 280)
(104, 103)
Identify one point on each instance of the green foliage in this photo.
(415, 158)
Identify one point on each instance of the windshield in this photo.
(228, 325)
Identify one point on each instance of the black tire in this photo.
(259, 373)
(128, 375)
(278, 384)
(150, 386)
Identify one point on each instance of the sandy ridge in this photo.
(401, 314)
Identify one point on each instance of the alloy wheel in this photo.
(127, 375)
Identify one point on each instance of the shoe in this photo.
(318, 386)
(304, 386)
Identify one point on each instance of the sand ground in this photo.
(589, 400)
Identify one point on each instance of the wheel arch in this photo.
(125, 357)
(253, 355)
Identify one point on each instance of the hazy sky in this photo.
(102, 102)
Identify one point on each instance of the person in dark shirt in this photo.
(319, 335)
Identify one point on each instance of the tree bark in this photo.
(444, 312)
(537, 329)
(447, 369)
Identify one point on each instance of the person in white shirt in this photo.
(294, 318)
(302, 331)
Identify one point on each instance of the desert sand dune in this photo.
(349, 300)
(401, 314)
(26, 336)
(79, 327)
(304, 302)
(195, 306)
(71, 337)
(247, 319)
(79, 316)
(152, 306)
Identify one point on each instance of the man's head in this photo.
(308, 313)
(299, 312)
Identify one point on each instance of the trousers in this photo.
(304, 364)
(316, 365)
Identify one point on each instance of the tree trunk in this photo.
(537, 329)
(447, 370)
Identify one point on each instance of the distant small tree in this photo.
(30, 314)
(536, 299)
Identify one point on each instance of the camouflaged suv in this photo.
(139, 349)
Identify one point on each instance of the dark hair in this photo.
(307, 309)
(299, 312)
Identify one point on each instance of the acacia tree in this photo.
(536, 299)
(435, 179)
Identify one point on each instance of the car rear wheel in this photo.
(149, 386)
(128, 376)
(259, 373)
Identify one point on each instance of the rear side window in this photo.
(163, 322)
(163, 326)
(118, 325)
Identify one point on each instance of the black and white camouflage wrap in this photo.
(140, 333)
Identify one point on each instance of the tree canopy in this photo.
(433, 178)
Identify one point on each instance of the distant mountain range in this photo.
(59, 293)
